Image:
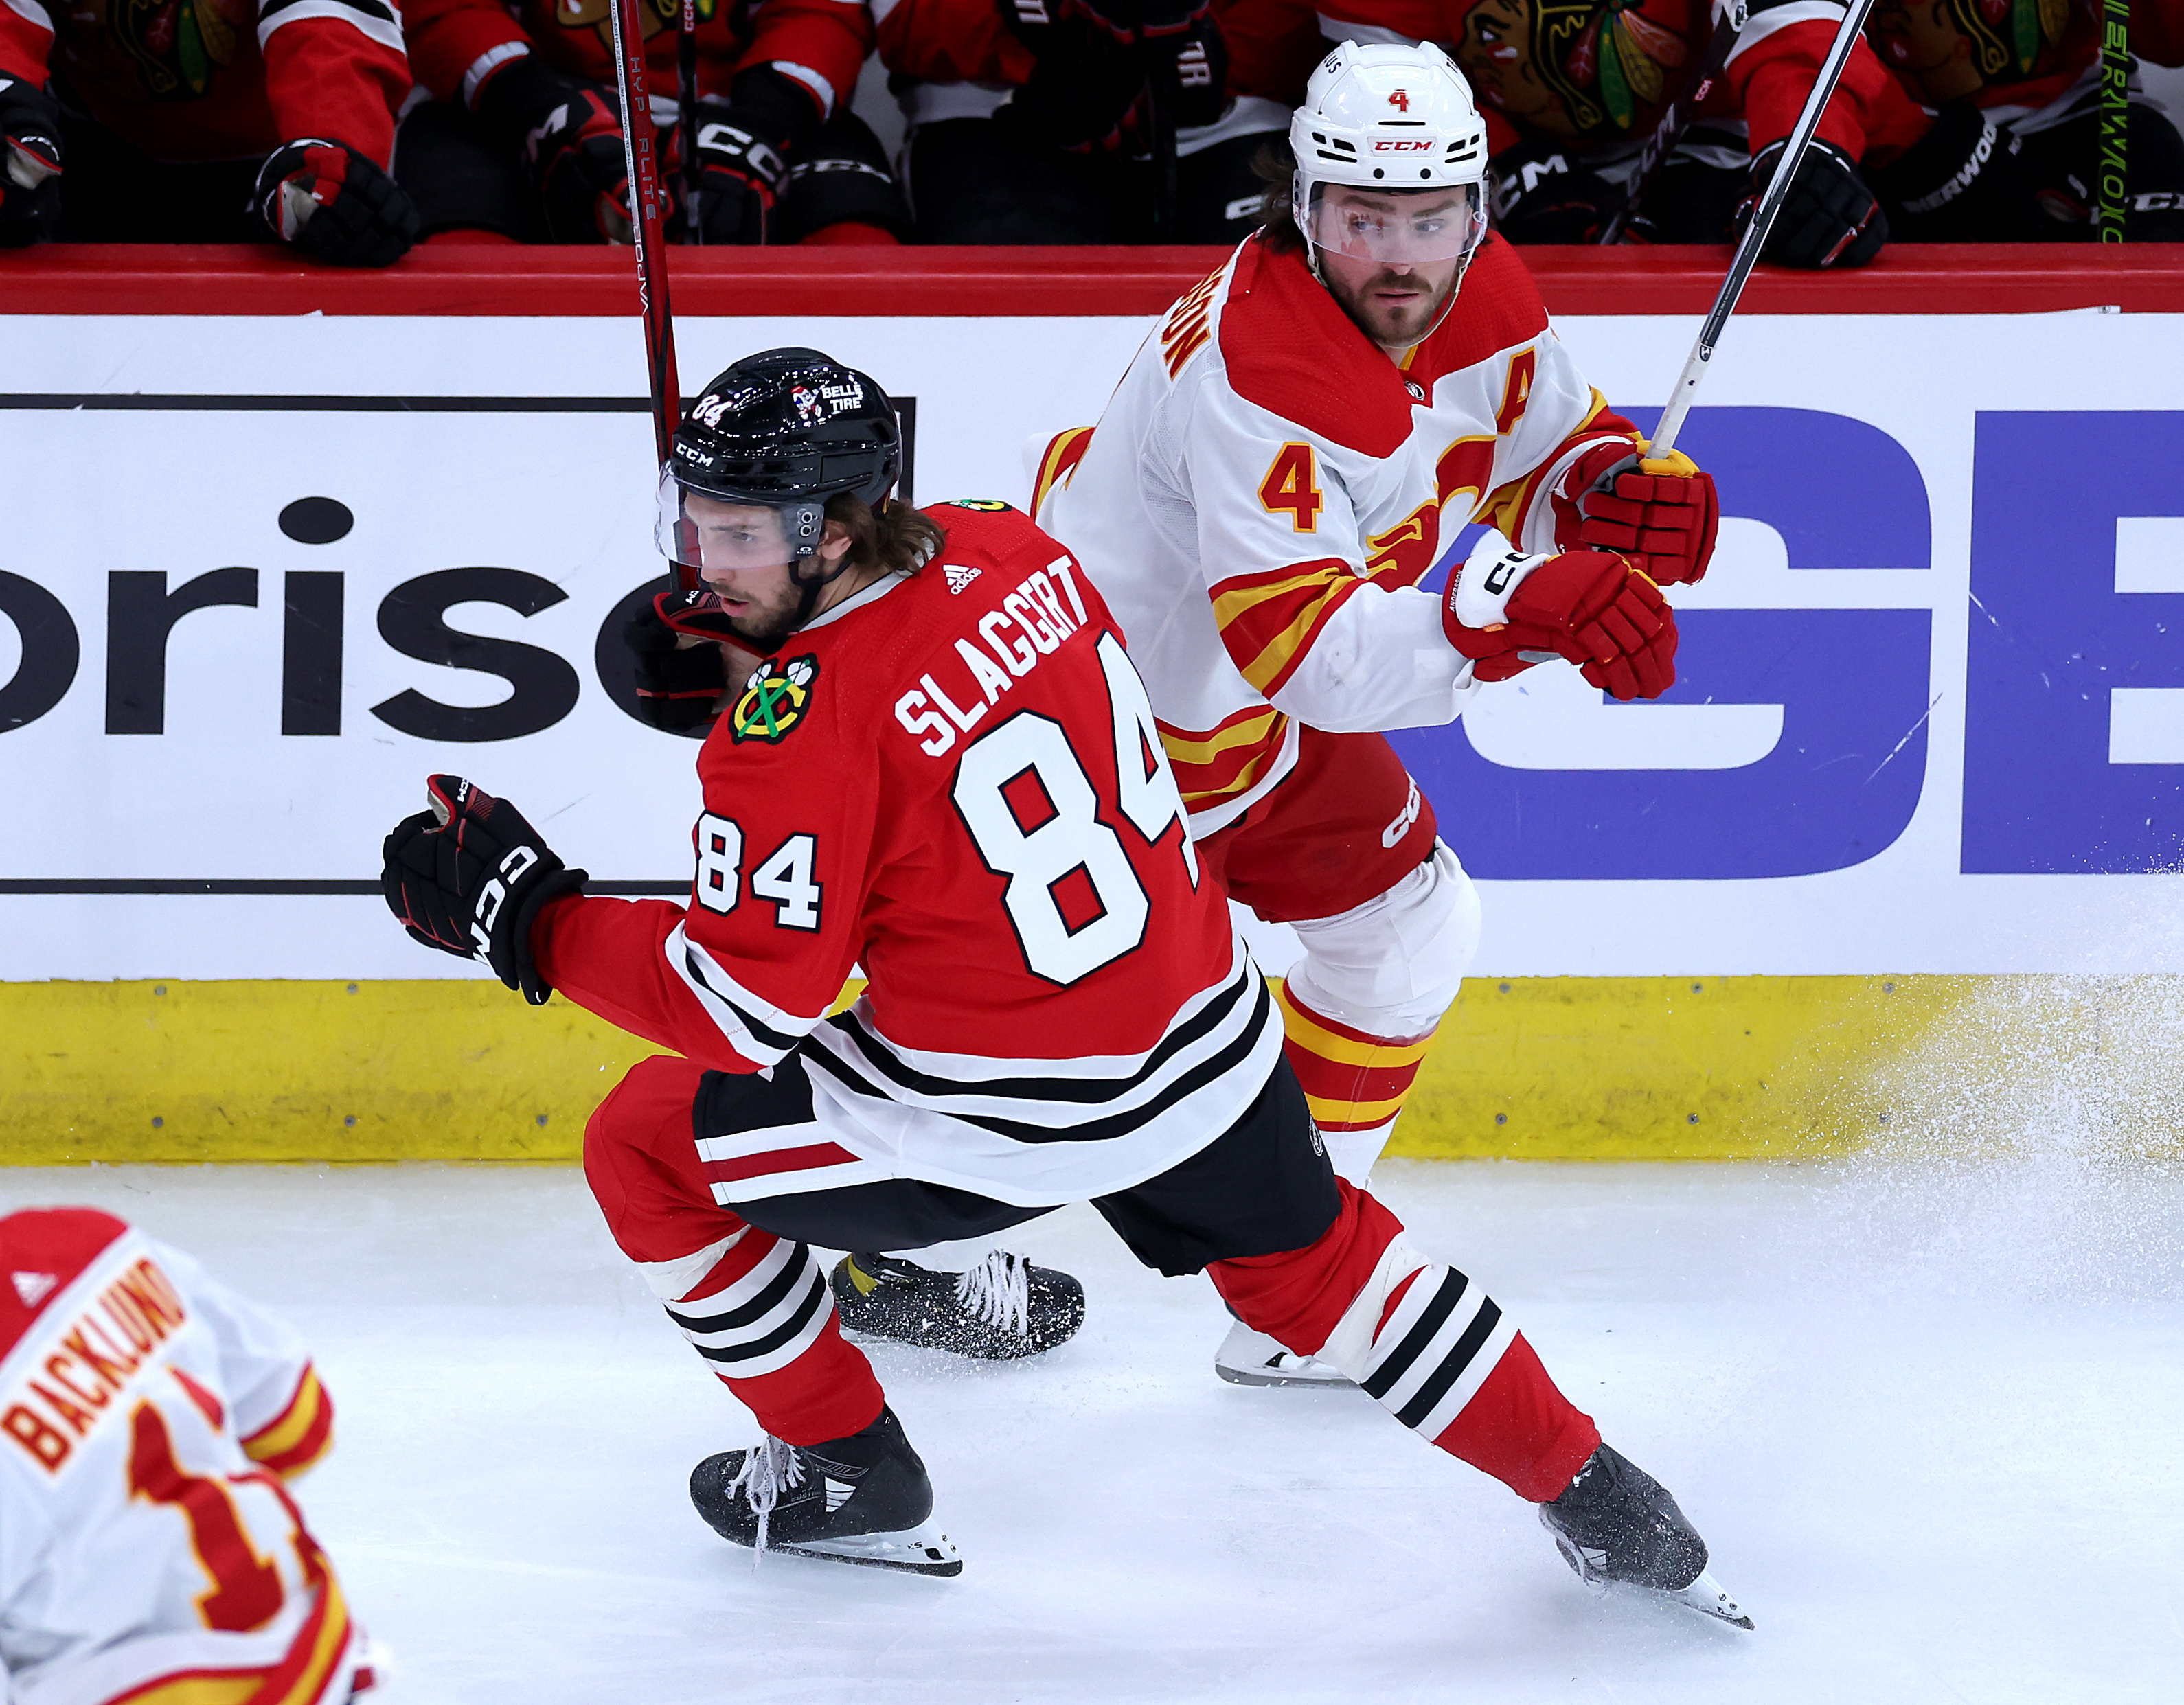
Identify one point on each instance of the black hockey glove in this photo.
(1963, 181)
(681, 672)
(335, 204)
(1829, 218)
(1125, 20)
(1086, 93)
(568, 133)
(30, 163)
(1540, 195)
(469, 877)
(745, 145)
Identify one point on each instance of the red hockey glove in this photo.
(682, 669)
(1506, 610)
(335, 204)
(30, 163)
(568, 132)
(1663, 514)
(469, 878)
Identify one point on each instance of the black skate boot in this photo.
(1002, 1310)
(864, 1499)
(1616, 1524)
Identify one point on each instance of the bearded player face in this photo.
(743, 560)
(1394, 300)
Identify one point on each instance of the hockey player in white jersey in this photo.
(150, 1551)
(1281, 465)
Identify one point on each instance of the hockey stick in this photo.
(1754, 239)
(649, 239)
(1678, 117)
(2115, 114)
(1159, 96)
(686, 99)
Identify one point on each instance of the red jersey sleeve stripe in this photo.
(1269, 621)
(300, 1436)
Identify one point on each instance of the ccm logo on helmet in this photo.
(1406, 146)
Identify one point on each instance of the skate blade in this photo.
(921, 1550)
(1263, 1376)
(1707, 1596)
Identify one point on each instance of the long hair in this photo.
(895, 538)
(1275, 166)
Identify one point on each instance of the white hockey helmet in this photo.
(1383, 116)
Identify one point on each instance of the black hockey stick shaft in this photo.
(1698, 83)
(1755, 234)
(648, 238)
(2115, 115)
(1160, 99)
(686, 100)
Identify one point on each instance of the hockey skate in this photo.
(1002, 1310)
(1246, 1357)
(1615, 1525)
(864, 1499)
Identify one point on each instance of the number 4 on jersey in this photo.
(1292, 483)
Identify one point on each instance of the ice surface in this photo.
(1926, 1416)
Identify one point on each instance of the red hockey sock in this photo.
(1423, 1340)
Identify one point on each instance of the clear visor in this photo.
(695, 530)
(1394, 227)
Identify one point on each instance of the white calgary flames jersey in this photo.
(149, 1551)
(1267, 487)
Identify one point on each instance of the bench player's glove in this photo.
(1829, 218)
(1506, 610)
(568, 133)
(744, 147)
(335, 204)
(1542, 195)
(470, 877)
(1965, 181)
(30, 163)
(682, 671)
(1663, 514)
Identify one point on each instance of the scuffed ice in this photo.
(1924, 1408)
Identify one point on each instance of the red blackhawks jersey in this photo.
(149, 1550)
(952, 778)
(1595, 76)
(821, 44)
(1267, 488)
(215, 79)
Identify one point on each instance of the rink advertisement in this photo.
(260, 579)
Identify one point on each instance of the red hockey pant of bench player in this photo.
(1418, 1335)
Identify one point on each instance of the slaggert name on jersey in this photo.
(1026, 625)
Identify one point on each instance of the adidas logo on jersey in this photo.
(958, 578)
(34, 1288)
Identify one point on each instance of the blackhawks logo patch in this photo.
(774, 700)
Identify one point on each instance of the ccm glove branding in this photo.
(1507, 612)
(30, 163)
(334, 203)
(1540, 196)
(470, 877)
(1664, 515)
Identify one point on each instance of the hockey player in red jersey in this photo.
(1283, 461)
(526, 131)
(945, 770)
(152, 1553)
(222, 122)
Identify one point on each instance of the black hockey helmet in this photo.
(788, 429)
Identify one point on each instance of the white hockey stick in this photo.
(1755, 237)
